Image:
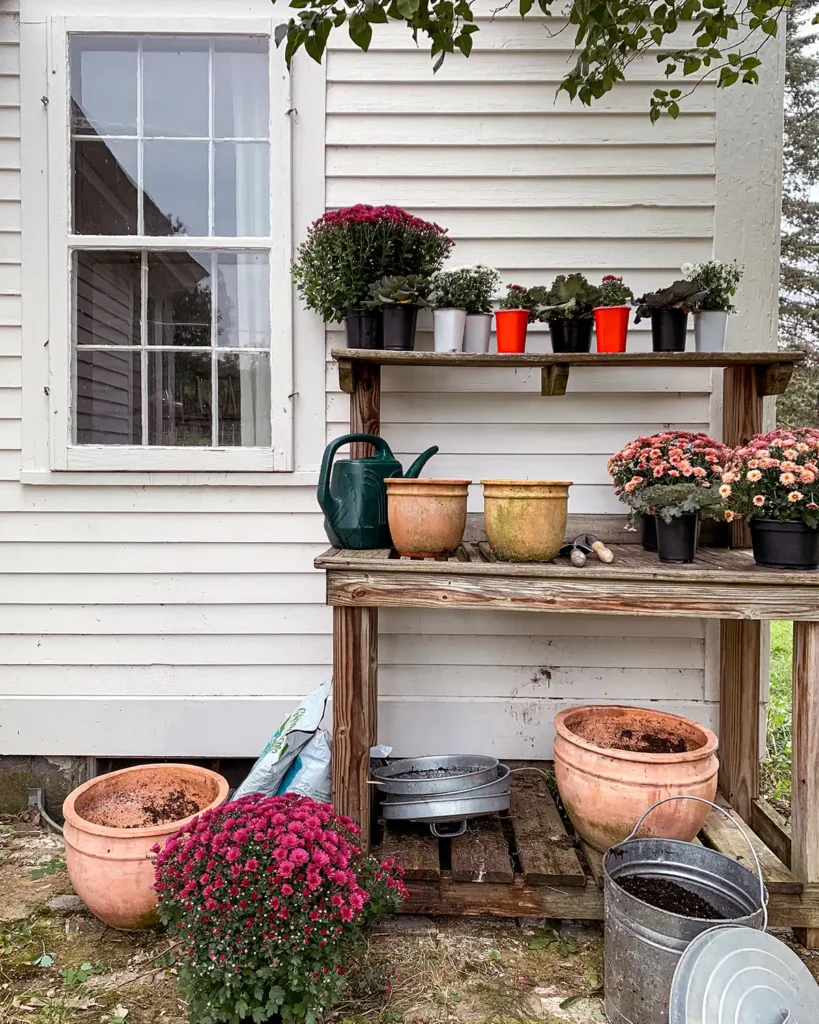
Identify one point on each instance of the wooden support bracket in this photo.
(346, 376)
(553, 379)
(774, 379)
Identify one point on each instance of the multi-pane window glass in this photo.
(170, 137)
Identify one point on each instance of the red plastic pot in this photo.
(511, 325)
(611, 323)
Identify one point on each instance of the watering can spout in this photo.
(415, 469)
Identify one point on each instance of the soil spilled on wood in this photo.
(649, 743)
(666, 895)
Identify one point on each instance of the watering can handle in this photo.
(763, 901)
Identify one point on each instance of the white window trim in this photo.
(47, 141)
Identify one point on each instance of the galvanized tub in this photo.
(452, 807)
(468, 771)
(643, 944)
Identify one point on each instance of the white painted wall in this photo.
(148, 614)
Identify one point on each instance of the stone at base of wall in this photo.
(56, 775)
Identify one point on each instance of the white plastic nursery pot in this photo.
(448, 329)
(709, 330)
(476, 334)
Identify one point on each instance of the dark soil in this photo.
(417, 774)
(649, 743)
(174, 807)
(666, 895)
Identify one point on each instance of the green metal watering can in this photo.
(354, 497)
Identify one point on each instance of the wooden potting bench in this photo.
(528, 863)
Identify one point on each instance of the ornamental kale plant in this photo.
(775, 476)
(680, 295)
(612, 292)
(673, 500)
(399, 291)
(718, 280)
(269, 896)
(518, 297)
(569, 298)
(470, 288)
(347, 250)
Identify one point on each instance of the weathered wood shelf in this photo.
(773, 369)
(529, 862)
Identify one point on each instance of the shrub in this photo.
(347, 250)
(469, 288)
(612, 292)
(269, 897)
(775, 476)
(518, 297)
(718, 280)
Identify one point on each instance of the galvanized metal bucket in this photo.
(643, 944)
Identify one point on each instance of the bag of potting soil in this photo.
(309, 774)
(288, 741)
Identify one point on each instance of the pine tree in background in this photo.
(799, 269)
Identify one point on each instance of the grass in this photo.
(776, 767)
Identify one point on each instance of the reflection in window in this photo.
(179, 398)
(108, 397)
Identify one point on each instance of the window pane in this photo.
(179, 398)
(107, 397)
(244, 399)
(175, 86)
(103, 85)
(243, 304)
(107, 303)
(175, 179)
(105, 190)
(240, 88)
(242, 188)
(179, 298)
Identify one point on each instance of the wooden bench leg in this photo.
(740, 646)
(355, 711)
(805, 763)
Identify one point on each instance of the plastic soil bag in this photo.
(299, 729)
(309, 774)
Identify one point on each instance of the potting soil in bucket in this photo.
(660, 894)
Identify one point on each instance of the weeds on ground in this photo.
(776, 767)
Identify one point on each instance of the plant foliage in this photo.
(470, 288)
(412, 290)
(518, 297)
(347, 250)
(673, 500)
(719, 281)
(269, 897)
(569, 298)
(726, 37)
(613, 292)
(679, 295)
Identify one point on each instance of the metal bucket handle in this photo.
(458, 829)
(763, 894)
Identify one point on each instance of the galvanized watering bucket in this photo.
(643, 944)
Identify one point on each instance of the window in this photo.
(170, 290)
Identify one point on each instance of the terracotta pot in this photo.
(427, 518)
(511, 326)
(605, 790)
(611, 323)
(110, 865)
(525, 520)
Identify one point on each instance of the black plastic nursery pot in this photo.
(668, 329)
(571, 335)
(677, 540)
(791, 545)
(365, 328)
(399, 326)
(648, 533)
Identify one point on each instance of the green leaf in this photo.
(408, 8)
(361, 31)
(43, 960)
(675, 94)
(525, 7)
(570, 1001)
(569, 945)
(280, 33)
(376, 15)
(691, 65)
(674, 110)
(315, 49)
(542, 941)
(769, 26)
(464, 44)
(438, 63)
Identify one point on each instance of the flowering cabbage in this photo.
(269, 895)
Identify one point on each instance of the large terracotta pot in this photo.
(525, 520)
(109, 863)
(605, 789)
(427, 518)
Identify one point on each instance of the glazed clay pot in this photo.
(427, 518)
(525, 520)
(110, 865)
(605, 789)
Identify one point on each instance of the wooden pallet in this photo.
(529, 862)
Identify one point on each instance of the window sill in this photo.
(124, 478)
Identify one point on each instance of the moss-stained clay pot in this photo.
(525, 519)
(427, 517)
(108, 835)
(608, 772)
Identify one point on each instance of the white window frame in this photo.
(63, 454)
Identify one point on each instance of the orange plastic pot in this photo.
(605, 789)
(511, 325)
(111, 865)
(611, 324)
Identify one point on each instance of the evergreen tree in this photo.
(799, 268)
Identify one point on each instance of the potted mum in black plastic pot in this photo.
(399, 299)
(668, 309)
(773, 481)
(568, 308)
(347, 250)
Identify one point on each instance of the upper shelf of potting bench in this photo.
(773, 369)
